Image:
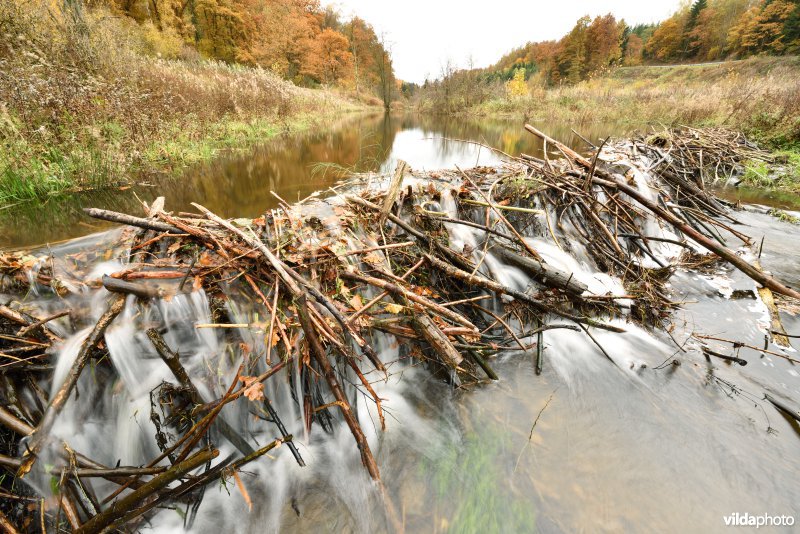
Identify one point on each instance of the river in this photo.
(238, 184)
(646, 445)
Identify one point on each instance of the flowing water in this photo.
(640, 445)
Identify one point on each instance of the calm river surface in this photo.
(294, 166)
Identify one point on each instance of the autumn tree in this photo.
(330, 59)
(667, 41)
(385, 73)
(633, 50)
(573, 54)
(604, 39)
(362, 40)
(767, 34)
(516, 87)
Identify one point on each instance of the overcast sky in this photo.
(424, 33)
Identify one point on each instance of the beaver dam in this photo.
(317, 367)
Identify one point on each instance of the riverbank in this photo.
(86, 108)
(758, 96)
(219, 107)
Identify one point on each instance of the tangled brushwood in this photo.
(464, 265)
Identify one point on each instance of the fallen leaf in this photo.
(393, 308)
(275, 338)
(253, 389)
(356, 302)
(373, 258)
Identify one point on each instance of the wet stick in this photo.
(59, 400)
(172, 360)
(319, 355)
(608, 180)
(503, 290)
(123, 505)
(410, 295)
(292, 279)
(394, 190)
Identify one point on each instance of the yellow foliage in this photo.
(516, 87)
(164, 43)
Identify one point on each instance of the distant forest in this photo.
(297, 39)
(705, 30)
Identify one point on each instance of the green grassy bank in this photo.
(91, 105)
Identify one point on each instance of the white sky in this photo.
(424, 33)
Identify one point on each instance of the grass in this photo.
(760, 96)
(783, 175)
(85, 105)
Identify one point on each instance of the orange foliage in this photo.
(330, 60)
(296, 39)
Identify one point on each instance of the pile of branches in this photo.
(328, 275)
(702, 156)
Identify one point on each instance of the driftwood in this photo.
(502, 290)
(121, 218)
(542, 272)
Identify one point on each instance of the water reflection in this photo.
(294, 166)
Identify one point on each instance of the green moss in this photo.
(468, 480)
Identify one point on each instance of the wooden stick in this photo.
(410, 295)
(718, 249)
(318, 353)
(59, 400)
(121, 218)
(394, 189)
(107, 516)
(503, 290)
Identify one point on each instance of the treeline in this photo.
(297, 39)
(703, 30)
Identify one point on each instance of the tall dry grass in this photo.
(87, 98)
(760, 96)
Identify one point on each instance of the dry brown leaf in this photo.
(356, 302)
(253, 389)
(373, 258)
(275, 338)
(205, 259)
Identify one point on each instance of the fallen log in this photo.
(542, 272)
(130, 220)
(503, 290)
